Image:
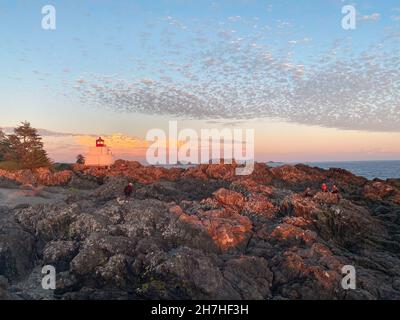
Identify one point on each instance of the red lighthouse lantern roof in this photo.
(100, 142)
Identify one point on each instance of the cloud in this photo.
(43, 132)
(301, 41)
(240, 76)
(115, 141)
(372, 17)
(226, 123)
(175, 23)
(235, 18)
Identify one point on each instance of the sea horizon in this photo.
(370, 169)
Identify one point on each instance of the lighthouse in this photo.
(99, 155)
(100, 143)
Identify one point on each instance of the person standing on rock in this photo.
(335, 189)
(128, 190)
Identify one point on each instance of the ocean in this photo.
(368, 169)
(384, 169)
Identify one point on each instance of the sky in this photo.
(311, 90)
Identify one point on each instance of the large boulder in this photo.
(60, 253)
(380, 191)
(230, 199)
(228, 229)
(250, 276)
(190, 274)
(17, 249)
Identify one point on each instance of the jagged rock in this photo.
(112, 188)
(293, 235)
(132, 170)
(229, 198)
(87, 224)
(66, 282)
(258, 204)
(348, 224)
(8, 183)
(4, 284)
(46, 177)
(249, 185)
(300, 275)
(261, 175)
(298, 205)
(180, 190)
(381, 191)
(60, 253)
(197, 172)
(394, 182)
(327, 198)
(21, 176)
(115, 271)
(296, 174)
(17, 250)
(228, 229)
(204, 233)
(38, 176)
(87, 260)
(221, 171)
(212, 171)
(250, 277)
(192, 274)
(83, 182)
(47, 222)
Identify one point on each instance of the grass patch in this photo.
(10, 165)
(61, 166)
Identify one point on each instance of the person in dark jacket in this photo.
(335, 189)
(128, 190)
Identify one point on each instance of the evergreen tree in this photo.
(80, 159)
(26, 148)
(4, 145)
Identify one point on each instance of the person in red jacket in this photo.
(324, 187)
(128, 190)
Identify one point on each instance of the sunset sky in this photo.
(311, 90)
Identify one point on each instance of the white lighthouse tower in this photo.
(99, 155)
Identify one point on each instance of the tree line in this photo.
(23, 149)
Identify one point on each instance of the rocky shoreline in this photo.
(201, 233)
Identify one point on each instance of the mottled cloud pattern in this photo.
(233, 76)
